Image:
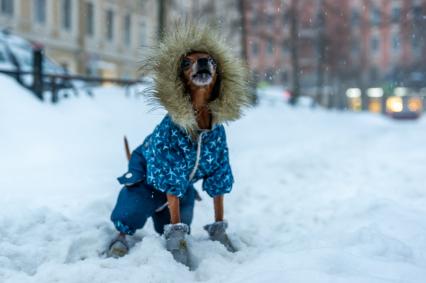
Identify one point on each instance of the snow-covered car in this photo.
(5, 59)
(18, 54)
(273, 94)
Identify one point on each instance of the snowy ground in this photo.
(319, 196)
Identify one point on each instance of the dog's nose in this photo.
(203, 63)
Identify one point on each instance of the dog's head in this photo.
(198, 70)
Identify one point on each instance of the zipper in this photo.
(197, 160)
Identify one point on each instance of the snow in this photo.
(319, 196)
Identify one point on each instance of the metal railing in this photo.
(53, 83)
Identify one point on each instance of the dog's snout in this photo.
(203, 63)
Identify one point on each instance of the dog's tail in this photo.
(127, 148)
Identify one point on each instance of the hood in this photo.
(169, 91)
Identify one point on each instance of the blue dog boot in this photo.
(176, 243)
(118, 247)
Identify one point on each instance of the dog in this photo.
(202, 87)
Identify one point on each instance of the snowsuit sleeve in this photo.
(221, 180)
(166, 168)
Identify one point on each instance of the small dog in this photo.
(202, 87)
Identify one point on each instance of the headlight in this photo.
(394, 104)
(415, 104)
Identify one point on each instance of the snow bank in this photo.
(319, 196)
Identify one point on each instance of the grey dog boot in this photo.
(217, 232)
(118, 247)
(176, 242)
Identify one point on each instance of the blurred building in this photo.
(338, 42)
(345, 42)
(269, 39)
(267, 47)
(225, 16)
(97, 37)
(388, 38)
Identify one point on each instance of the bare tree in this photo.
(243, 9)
(294, 32)
(162, 18)
(320, 52)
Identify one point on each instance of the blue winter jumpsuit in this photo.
(169, 162)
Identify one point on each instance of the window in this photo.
(254, 48)
(286, 47)
(66, 14)
(270, 46)
(355, 17)
(255, 19)
(417, 13)
(110, 24)
(375, 16)
(374, 72)
(415, 42)
(270, 20)
(284, 76)
(355, 48)
(6, 7)
(40, 11)
(395, 42)
(127, 29)
(375, 44)
(396, 14)
(90, 28)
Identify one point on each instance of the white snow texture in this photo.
(319, 196)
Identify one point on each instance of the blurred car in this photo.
(16, 53)
(5, 59)
(404, 107)
(273, 94)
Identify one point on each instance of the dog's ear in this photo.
(216, 88)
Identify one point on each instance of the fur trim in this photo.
(169, 91)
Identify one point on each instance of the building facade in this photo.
(225, 16)
(347, 40)
(96, 37)
(269, 39)
(388, 36)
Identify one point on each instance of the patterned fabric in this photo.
(168, 156)
(123, 228)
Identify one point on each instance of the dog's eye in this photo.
(185, 64)
(213, 62)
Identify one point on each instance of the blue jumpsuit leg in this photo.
(134, 205)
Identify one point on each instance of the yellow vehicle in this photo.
(404, 107)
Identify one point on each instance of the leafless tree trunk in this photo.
(321, 42)
(294, 31)
(242, 8)
(162, 11)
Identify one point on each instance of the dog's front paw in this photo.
(217, 232)
(175, 235)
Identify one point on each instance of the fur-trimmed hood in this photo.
(169, 90)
